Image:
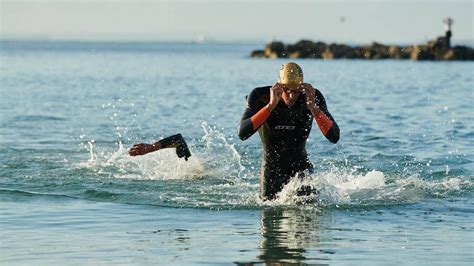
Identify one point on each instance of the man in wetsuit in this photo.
(283, 115)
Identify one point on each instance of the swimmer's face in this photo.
(291, 93)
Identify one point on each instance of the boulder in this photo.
(320, 47)
(306, 49)
(354, 53)
(421, 52)
(295, 54)
(334, 51)
(376, 51)
(406, 52)
(459, 53)
(397, 52)
(274, 50)
(327, 54)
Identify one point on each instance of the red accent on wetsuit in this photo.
(260, 117)
(324, 122)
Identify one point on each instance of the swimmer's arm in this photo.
(324, 119)
(253, 116)
(144, 148)
(251, 121)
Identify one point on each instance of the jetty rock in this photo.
(437, 49)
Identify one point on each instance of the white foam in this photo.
(348, 187)
(333, 187)
(217, 158)
(214, 156)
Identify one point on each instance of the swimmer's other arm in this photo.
(257, 111)
(251, 121)
(318, 108)
(326, 124)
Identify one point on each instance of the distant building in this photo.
(448, 22)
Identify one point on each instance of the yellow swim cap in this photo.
(291, 74)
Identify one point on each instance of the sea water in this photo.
(396, 189)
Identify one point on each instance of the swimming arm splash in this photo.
(175, 141)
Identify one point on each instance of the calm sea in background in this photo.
(397, 188)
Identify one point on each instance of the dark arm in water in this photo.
(175, 141)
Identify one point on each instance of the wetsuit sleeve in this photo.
(325, 121)
(254, 116)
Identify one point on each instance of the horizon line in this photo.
(194, 41)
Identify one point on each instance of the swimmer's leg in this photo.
(306, 190)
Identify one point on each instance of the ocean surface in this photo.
(397, 189)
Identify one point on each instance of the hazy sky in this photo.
(353, 21)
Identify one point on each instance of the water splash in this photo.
(348, 187)
(220, 155)
(91, 150)
(214, 177)
(212, 156)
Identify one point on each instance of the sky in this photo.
(349, 21)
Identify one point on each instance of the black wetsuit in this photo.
(283, 137)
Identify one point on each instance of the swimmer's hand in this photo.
(310, 95)
(143, 148)
(275, 95)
